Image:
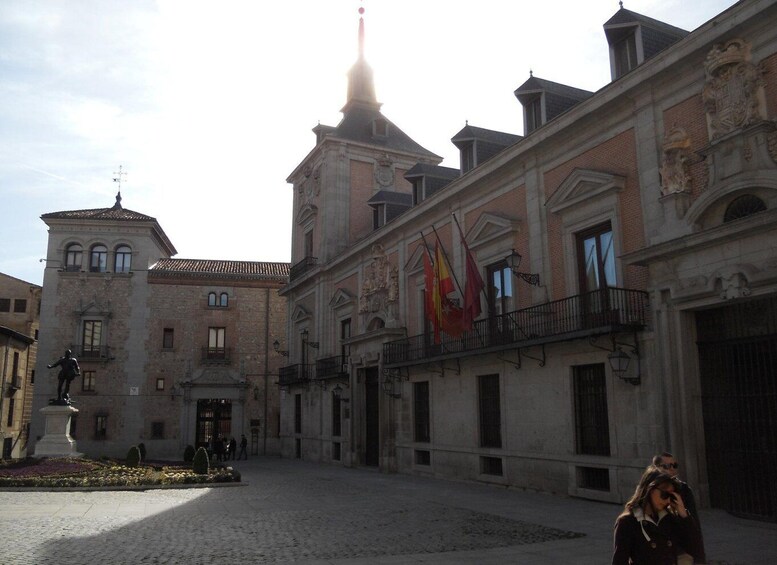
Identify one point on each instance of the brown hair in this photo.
(650, 479)
(657, 459)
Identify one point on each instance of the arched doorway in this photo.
(214, 419)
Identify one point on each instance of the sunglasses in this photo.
(669, 465)
(665, 495)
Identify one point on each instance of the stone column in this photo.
(57, 441)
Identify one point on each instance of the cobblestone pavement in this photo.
(300, 512)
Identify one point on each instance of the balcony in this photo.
(91, 351)
(294, 374)
(302, 267)
(594, 313)
(216, 355)
(332, 367)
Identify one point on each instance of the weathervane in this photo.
(118, 177)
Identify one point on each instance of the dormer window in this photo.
(380, 127)
(625, 55)
(418, 191)
(467, 157)
(533, 114)
(378, 216)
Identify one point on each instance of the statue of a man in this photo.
(68, 371)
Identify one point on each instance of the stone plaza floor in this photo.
(300, 512)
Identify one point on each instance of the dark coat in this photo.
(640, 541)
(698, 552)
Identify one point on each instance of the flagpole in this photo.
(452, 271)
(461, 234)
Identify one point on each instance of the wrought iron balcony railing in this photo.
(331, 367)
(302, 267)
(81, 351)
(294, 374)
(216, 355)
(593, 313)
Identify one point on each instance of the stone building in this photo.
(642, 317)
(19, 317)
(173, 352)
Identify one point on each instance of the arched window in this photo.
(742, 207)
(123, 261)
(223, 300)
(211, 299)
(73, 257)
(98, 262)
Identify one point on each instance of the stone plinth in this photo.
(57, 441)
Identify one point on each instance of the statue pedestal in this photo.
(57, 441)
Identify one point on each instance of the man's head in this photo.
(68, 353)
(667, 463)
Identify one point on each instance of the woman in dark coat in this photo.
(654, 523)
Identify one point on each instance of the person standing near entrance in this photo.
(243, 445)
(232, 448)
(666, 463)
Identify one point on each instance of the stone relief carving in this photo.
(675, 175)
(734, 286)
(384, 173)
(380, 288)
(733, 93)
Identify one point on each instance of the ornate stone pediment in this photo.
(306, 213)
(216, 376)
(341, 298)
(490, 227)
(582, 185)
(734, 90)
(415, 263)
(299, 314)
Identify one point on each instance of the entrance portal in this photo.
(214, 419)
(738, 364)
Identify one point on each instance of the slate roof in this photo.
(356, 125)
(391, 197)
(625, 17)
(16, 335)
(469, 132)
(536, 84)
(436, 171)
(210, 268)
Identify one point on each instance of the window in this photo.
(5, 304)
(742, 207)
(88, 381)
(500, 289)
(378, 216)
(490, 411)
(467, 153)
(298, 414)
(20, 305)
(491, 466)
(596, 258)
(167, 338)
(73, 257)
(211, 299)
(345, 334)
(157, 430)
(100, 426)
(592, 429)
(9, 423)
(160, 383)
(421, 411)
(123, 261)
(423, 457)
(91, 338)
(223, 300)
(380, 127)
(418, 191)
(308, 243)
(337, 422)
(98, 262)
(15, 369)
(533, 113)
(625, 52)
(216, 340)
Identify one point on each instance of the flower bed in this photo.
(71, 472)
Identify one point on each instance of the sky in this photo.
(209, 106)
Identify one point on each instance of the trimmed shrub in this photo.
(142, 449)
(133, 456)
(188, 454)
(200, 463)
